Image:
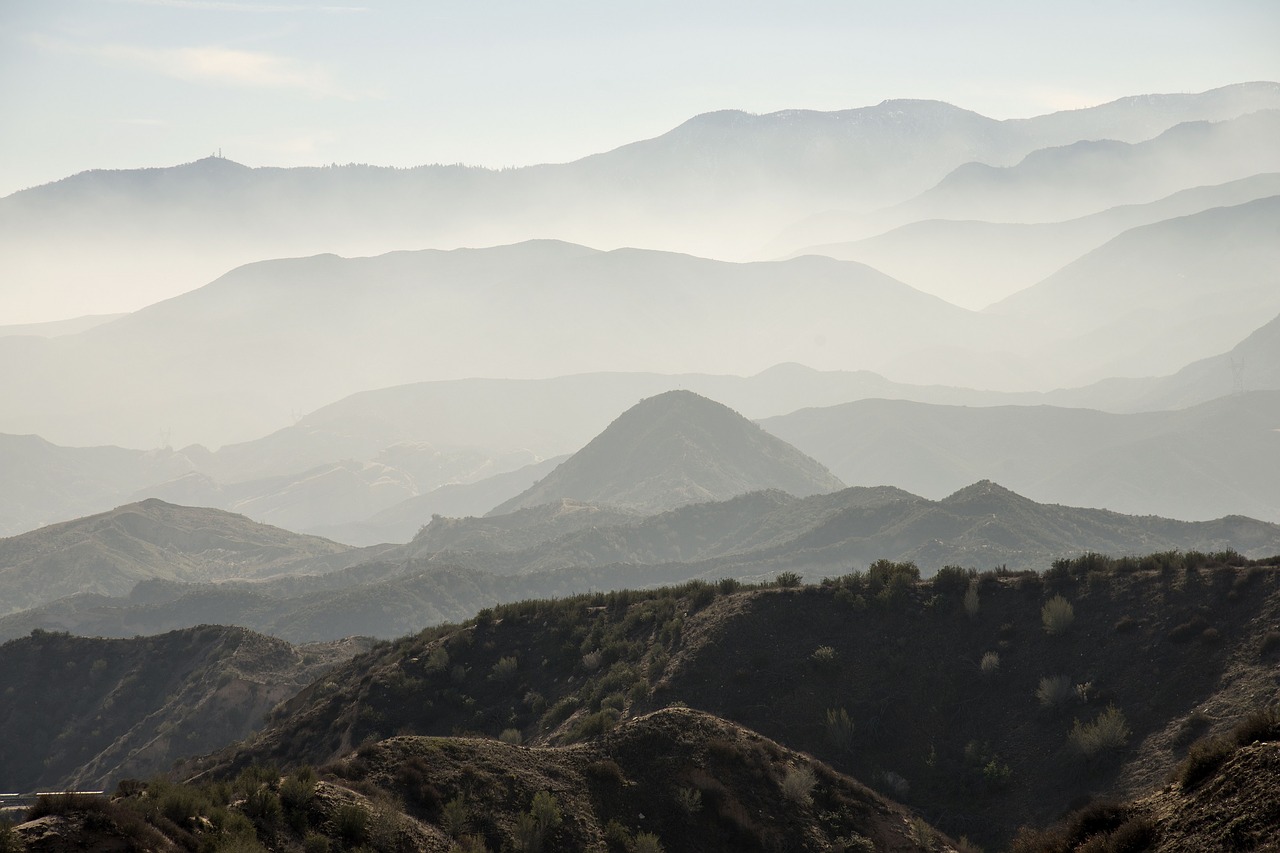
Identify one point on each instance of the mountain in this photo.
(58, 327)
(168, 230)
(1251, 365)
(88, 712)
(313, 330)
(952, 259)
(402, 521)
(45, 483)
(1212, 459)
(108, 553)
(1172, 292)
(1091, 175)
(456, 567)
(674, 449)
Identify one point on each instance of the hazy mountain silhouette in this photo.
(1215, 458)
(674, 449)
(311, 331)
(720, 185)
(1170, 293)
(1092, 175)
(109, 553)
(953, 259)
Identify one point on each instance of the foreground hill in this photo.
(674, 449)
(963, 710)
(1218, 457)
(675, 780)
(107, 554)
(81, 713)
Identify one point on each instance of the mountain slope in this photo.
(971, 747)
(673, 449)
(953, 258)
(313, 330)
(89, 712)
(108, 553)
(1092, 175)
(1172, 292)
(1220, 457)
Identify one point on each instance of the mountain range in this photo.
(751, 175)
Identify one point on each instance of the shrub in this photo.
(647, 842)
(1054, 690)
(455, 817)
(688, 799)
(617, 836)
(314, 842)
(351, 821)
(824, 657)
(469, 844)
(511, 736)
(1057, 615)
(787, 580)
(971, 603)
(1257, 727)
(797, 785)
(504, 669)
(1108, 732)
(728, 585)
(839, 729)
(1270, 642)
(990, 663)
(1203, 760)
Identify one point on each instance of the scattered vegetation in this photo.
(1057, 615)
(1108, 732)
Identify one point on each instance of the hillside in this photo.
(893, 681)
(674, 449)
(108, 553)
(90, 712)
(1216, 458)
(675, 780)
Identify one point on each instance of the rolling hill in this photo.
(674, 449)
(108, 553)
(1215, 458)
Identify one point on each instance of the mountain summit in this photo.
(674, 449)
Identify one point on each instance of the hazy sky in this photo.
(127, 83)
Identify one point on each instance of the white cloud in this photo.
(216, 65)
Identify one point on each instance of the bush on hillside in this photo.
(1057, 615)
(1108, 732)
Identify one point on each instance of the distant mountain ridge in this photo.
(456, 567)
(674, 449)
(110, 552)
(752, 175)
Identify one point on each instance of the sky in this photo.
(88, 84)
